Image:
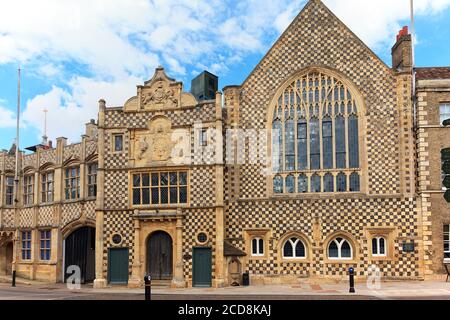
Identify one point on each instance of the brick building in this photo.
(316, 163)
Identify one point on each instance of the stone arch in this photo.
(295, 234)
(345, 235)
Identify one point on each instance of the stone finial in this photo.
(102, 104)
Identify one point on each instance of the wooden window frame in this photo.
(43, 248)
(159, 187)
(28, 190)
(69, 186)
(9, 196)
(89, 176)
(26, 245)
(46, 193)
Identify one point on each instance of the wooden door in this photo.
(159, 256)
(202, 267)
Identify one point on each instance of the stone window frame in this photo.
(43, 241)
(284, 175)
(94, 176)
(114, 135)
(9, 195)
(306, 242)
(26, 245)
(294, 245)
(354, 245)
(249, 235)
(45, 183)
(378, 240)
(28, 188)
(389, 234)
(77, 178)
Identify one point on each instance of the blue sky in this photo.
(73, 54)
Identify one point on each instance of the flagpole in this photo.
(413, 63)
(17, 140)
(16, 185)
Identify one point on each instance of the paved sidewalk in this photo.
(387, 290)
(314, 289)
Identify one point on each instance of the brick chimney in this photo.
(402, 52)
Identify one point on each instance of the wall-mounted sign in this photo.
(408, 246)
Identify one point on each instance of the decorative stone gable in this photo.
(160, 93)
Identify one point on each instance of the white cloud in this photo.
(7, 117)
(69, 110)
(115, 44)
(377, 22)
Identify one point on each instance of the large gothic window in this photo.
(315, 137)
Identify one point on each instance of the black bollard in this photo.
(351, 273)
(148, 288)
(14, 278)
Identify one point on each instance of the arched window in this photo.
(328, 183)
(316, 184)
(340, 248)
(302, 183)
(257, 247)
(294, 248)
(278, 184)
(290, 184)
(315, 128)
(379, 247)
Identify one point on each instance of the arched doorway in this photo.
(159, 256)
(6, 258)
(79, 250)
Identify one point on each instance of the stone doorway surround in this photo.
(146, 222)
(6, 252)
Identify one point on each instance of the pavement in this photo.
(309, 290)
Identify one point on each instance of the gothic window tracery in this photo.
(315, 137)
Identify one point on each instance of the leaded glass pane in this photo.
(327, 141)
(314, 144)
(278, 184)
(341, 160)
(300, 250)
(346, 251)
(354, 182)
(288, 251)
(341, 182)
(302, 184)
(290, 184)
(333, 251)
(315, 183)
(302, 134)
(328, 183)
(353, 143)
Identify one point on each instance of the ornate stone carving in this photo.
(161, 92)
(159, 97)
(160, 143)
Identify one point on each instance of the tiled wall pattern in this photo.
(70, 212)
(342, 51)
(196, 221)
(118, 222)
(336, 215)
(45, 216)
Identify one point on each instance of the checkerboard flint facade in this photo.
(229, 204)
